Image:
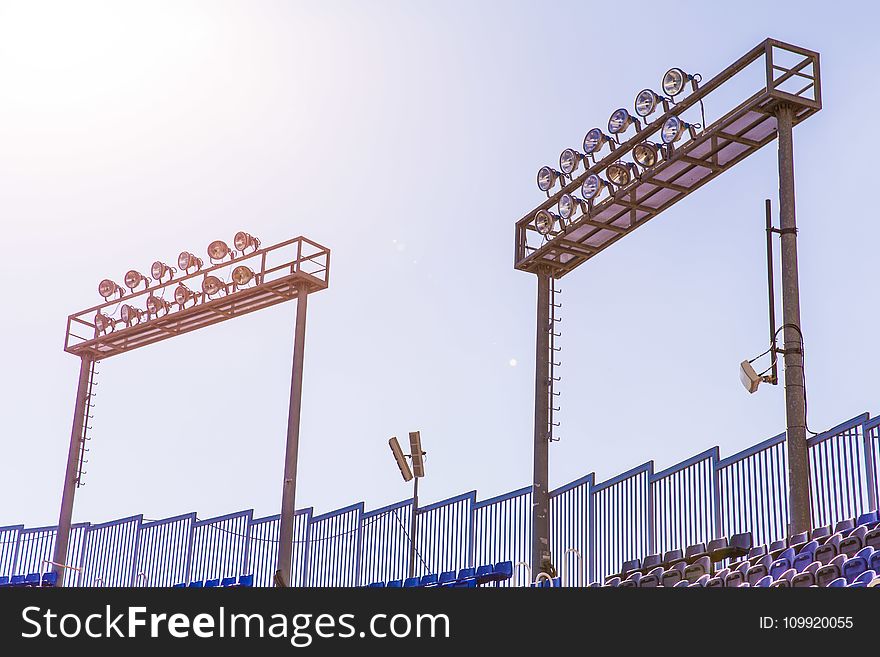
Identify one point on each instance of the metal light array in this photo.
(183, 297)
(619, 174)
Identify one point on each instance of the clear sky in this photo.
(406, 137)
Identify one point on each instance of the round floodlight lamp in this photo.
(218, 249)
(212, 285)
(646, 102)
(130, 315)
(646, 154)
(673, 129)
(594, 141)
(187, 261)
(157, 305)
(242, 275)
(544, 220)
(568, 205)
(547, 177)
(159, 270)
(621, 120)
(243, 240)
(592, 186)
(569, 161)
(104, 324)
(182, 294)
(620, 173)
(108, 288)
(133, 278)
(675, 79)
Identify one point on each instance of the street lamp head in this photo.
(568, 206)
(748, 377)
(416, 454)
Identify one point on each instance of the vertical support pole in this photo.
(412, 528)
(540, 485)
(62, 537)
(768, 216)
(288, 494)
(870, 480)
(795, 391)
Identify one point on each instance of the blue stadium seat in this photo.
(196, 585)
(854, 567)
(503, 570)
(629, 584)
(212, 583)
(715, 583)
(837, 582)
(32, 579)
(798, 541)
(429, 580)
(632, 580)
(828, 550)
(759, 570)
(466, 575)
(681, 584)
(179, 585)
(411, 582)
(864, 579)
(447, 578)
(783, 562)
(737, 575)
(395, 584)
(830, 571)
(701, 581)
(246, 580)
(484, 574)
(820, 534)
(854, 542)
(872, 538)
(844, 527)
(376, 585)
(805, 557)
(764, 582)
(650, 562)
(874, 560)
(4, 581)
(672, 557)
(738, 546)
(17, 580)
(869, 520)
(50, 578)
(674, 575)
(784, 580)
(466, 584)
(228, 581)
(755, 554)
(629, 566)
(776, 548)
(695, 551)
(612, 581)
(652, 579)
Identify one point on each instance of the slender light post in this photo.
(542, 435)
(416, 455)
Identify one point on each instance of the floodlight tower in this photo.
(260, 278)
(673, 157)
(417, 456)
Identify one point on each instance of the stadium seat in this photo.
(4, 581)
(672, 557)
(694, 552)
(807, 577)
(776, 548)
(820, 534)
(756, 554)
(395, 584)
(466, 584)
(429, 580)
(854, 542)
(196, 585)
(652, 579)
(737, 575)
(701, 581)
(697, 569)
(179, 585)
(759, 570)
(212, 583)
(674, 575)
(716, 547)
(629, 566)
(246, 580)
(502, 570)
(738, 546)
(844, 527)
(466, 575)
(874, 582)
(376, 585)
(411, 582)
(650, 562)
(17, 580)
(854, 567)
(784, 580)
(864, 579)
(828, 550)
(715, 583)
(805, 556)
(874, 560)
(447, 578)
(869, 520)
(32, 579)
(232, 581)
(783, 562)
(830, 571)
(629, 584)
(633, 579)
(613, 581)
(836, 583)
(872, 538)
(681, 584)
(764, 582)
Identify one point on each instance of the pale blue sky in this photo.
(405, 136)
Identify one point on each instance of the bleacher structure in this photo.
(707, 521)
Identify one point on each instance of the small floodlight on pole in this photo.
(414, 474)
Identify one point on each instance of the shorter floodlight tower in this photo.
(416, 455)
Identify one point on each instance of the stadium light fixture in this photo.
(569, 160)
(593, 186)
(187, 261)
(621, 120)
(104, 324)
(134, 278)
(621, 173)
(242, 275)
(417, 472)
(243, 241)
(751, 379)
(568, 206)
(417, 455)
(218, 250)
(544, 220)
(159, 270)
(647, 154)
(547, 177)
(594, 140)
(400, 457)
(157, 306)
(647, 101)
(675, 79)
(674, 128)
(130, 315)
(183, 295)
(108, 288)
(212, 285)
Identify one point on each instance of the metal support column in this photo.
(65, 517)
(795, 384)
(412, 528)
(540, 485)
(288, 495)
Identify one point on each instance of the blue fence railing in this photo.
(595, 526)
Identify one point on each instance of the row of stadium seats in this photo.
(32, 580)
(226, 582)
(850, 556)
(466, 578)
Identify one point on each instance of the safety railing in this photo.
(595, 527)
